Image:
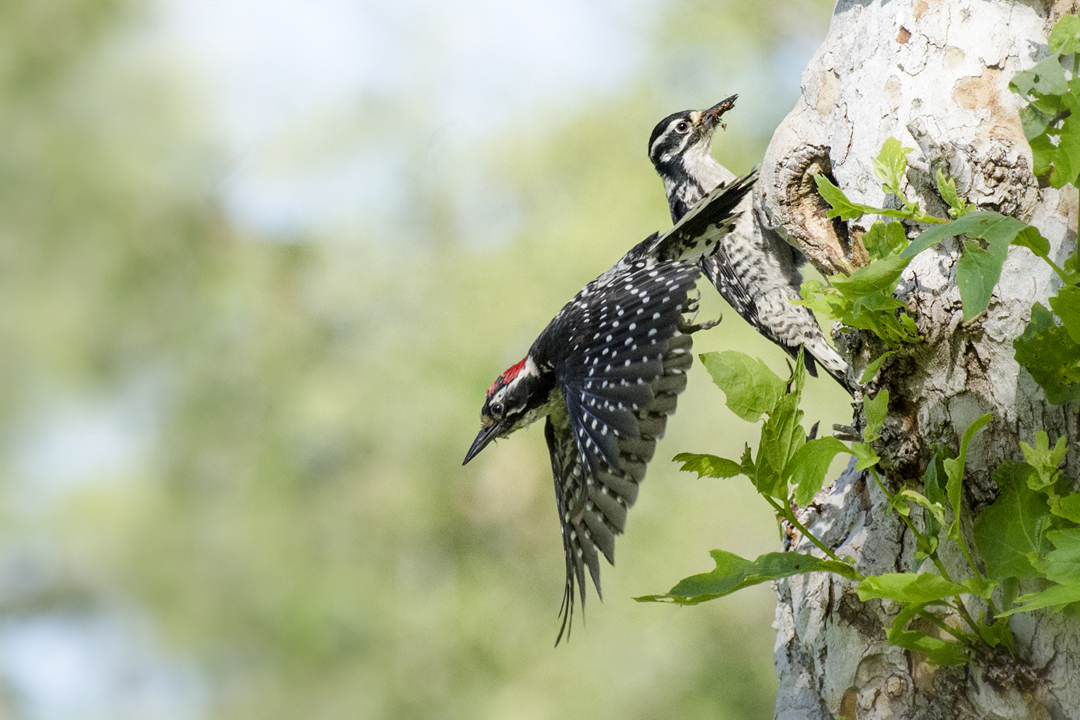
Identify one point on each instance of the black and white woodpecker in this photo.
(755, 271)
(606, 373)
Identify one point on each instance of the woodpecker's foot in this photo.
(846, 433)
(812, 435)
(688, 327)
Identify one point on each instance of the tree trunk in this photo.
(933, 74)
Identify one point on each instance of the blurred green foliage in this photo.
(300, 524)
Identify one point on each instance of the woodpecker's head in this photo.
(515, 400)
(685, 138)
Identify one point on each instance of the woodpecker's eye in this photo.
(496, 410)
(682, 127)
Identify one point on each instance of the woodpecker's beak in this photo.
(486, 435)
(711, 117)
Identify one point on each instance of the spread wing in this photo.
(698, 231)
(627, 363)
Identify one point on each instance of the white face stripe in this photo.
(664, 135)
(669, 132)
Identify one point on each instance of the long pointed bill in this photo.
(712, 115)
(486, 435)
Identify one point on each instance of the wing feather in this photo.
(617, 395)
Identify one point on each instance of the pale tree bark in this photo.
(933, 74)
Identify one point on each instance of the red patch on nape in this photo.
(507, 376)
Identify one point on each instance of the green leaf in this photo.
(872, 369)
(954, 469)
(709, 465)
(735, 573)
(874, 241)
(980, 224)
(884, 239)
(890, 166)
(1010, 587)
(841, 206)
(1032, 239)
(1072, 265)
(934, 481)
(1046, 78)
(880, 276)
(935, 478)
(1062, 564)
(1049, 353)
(981, 586)
(1008, 531)
(997, 633)
(1066, 158)
(809, 464)
(909, 588)
(947, 190)
(1065, 37)
(1066, 305)
(896, 237)
(925, 545)
(876, 314)
(899, 504)
(938, 652)
(1067, 507)
(823, 300)
(750, 386)
(797, 381)
(1042, 153)
(866, 302)
(1034, 121)
(747, 456)
(864, 455)
(781, 437)
(977, 272)
(1043, 460)
(936, 509)
(1053, 596)
(876, 410)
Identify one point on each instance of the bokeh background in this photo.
(259, 260)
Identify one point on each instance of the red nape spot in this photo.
(507, 376)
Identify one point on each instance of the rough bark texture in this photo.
(933, 74)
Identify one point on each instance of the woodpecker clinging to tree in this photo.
(756, 272)
(605, 373)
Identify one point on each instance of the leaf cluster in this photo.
(864, 300)
(753, 391)
(1050, 345)
(1049, 348)
(1050, 119)
(787, 469)
(1033, 530)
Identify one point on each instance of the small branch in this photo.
(935, 558)
(961, 637)
(785, 510)
(967, 553)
